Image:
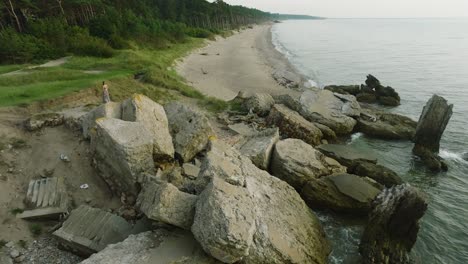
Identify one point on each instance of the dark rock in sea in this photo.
(432, 123)
(345, 193)
(379, 173)
(465, 156)
(366, 89)
(369, 98)
(372, 82)
(393, 226)
(344, 89)
(386, 125)
(345, 155)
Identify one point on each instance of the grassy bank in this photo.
(157, 78)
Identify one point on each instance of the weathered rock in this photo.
(224, 221)
(259, 103)
(243, 129)
(327, 132)
(122, 152)
(151, 115)
(350, 105)
(369, 98)
(190, 130)
(258, 148)
(379, 173)
(324, 107)
(344, 89)
(191, 170)
(73, 118)
(388, 101)
(372, 82)
(46, 199)
(344, 193)
(393, 226)
(88, 230)
(225, 162)
(292, 102)
(432, 123)
(164, 202)
(41, 120)
(108, 110)
(286, 230)
(386, 125)
(292, 125)
(296, 162)
(387, 96)
(154, 247)
(465, 156)
(345, 155)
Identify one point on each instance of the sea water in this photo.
(419, 58)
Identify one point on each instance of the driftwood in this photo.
(393, 226)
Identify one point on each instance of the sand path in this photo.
(240, 66)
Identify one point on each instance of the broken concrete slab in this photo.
(154, 247)
(122, 152)
(89, 230)
(258, 147)
(345, 154)
(140, 108)
(46, 199)
(109, 110)
(164, 202)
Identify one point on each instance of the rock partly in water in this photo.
(292, 125)
(344, 89)
(154, 247)
(350, 106)
(164, 202)
(258, 147)
(324, 107)
(259, 103)
(432, 123)
(379, 173)
(393, 226)
(224, 221)
(190, 130)
(108, 110)
(122, 152)
(151, 115)
(41, 120)
(345, 193)
(386, 125)
(286, 231)
(296, 162)
(345, 155)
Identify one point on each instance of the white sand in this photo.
(242, 65)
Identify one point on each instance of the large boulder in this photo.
(344, 193)
(224, 221)
(140, 108)
(108, 110)
(189, 128)
(259, 103)
(154, 247)
(350, 107)
(292, 125)
(379, 173)
(297, 162)
(164, 202)
(286, 231)
(344, 89)
(346, 155)
(258, 148)
(393, 226)
(324, 107)
(386, 125)
(122, 152)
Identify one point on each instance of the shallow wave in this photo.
(446, 154)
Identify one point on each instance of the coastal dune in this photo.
(237, 63)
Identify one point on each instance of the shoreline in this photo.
(247, 61)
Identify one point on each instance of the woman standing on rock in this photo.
(105, 93)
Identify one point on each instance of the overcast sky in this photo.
(362, 8)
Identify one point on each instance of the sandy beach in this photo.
(246, 61)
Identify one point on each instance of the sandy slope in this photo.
(242, 64)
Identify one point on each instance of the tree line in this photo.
(42, 29)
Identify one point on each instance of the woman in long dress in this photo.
(105, 93)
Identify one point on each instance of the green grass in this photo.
(10, 68)
(16, 211)
(160, 81)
